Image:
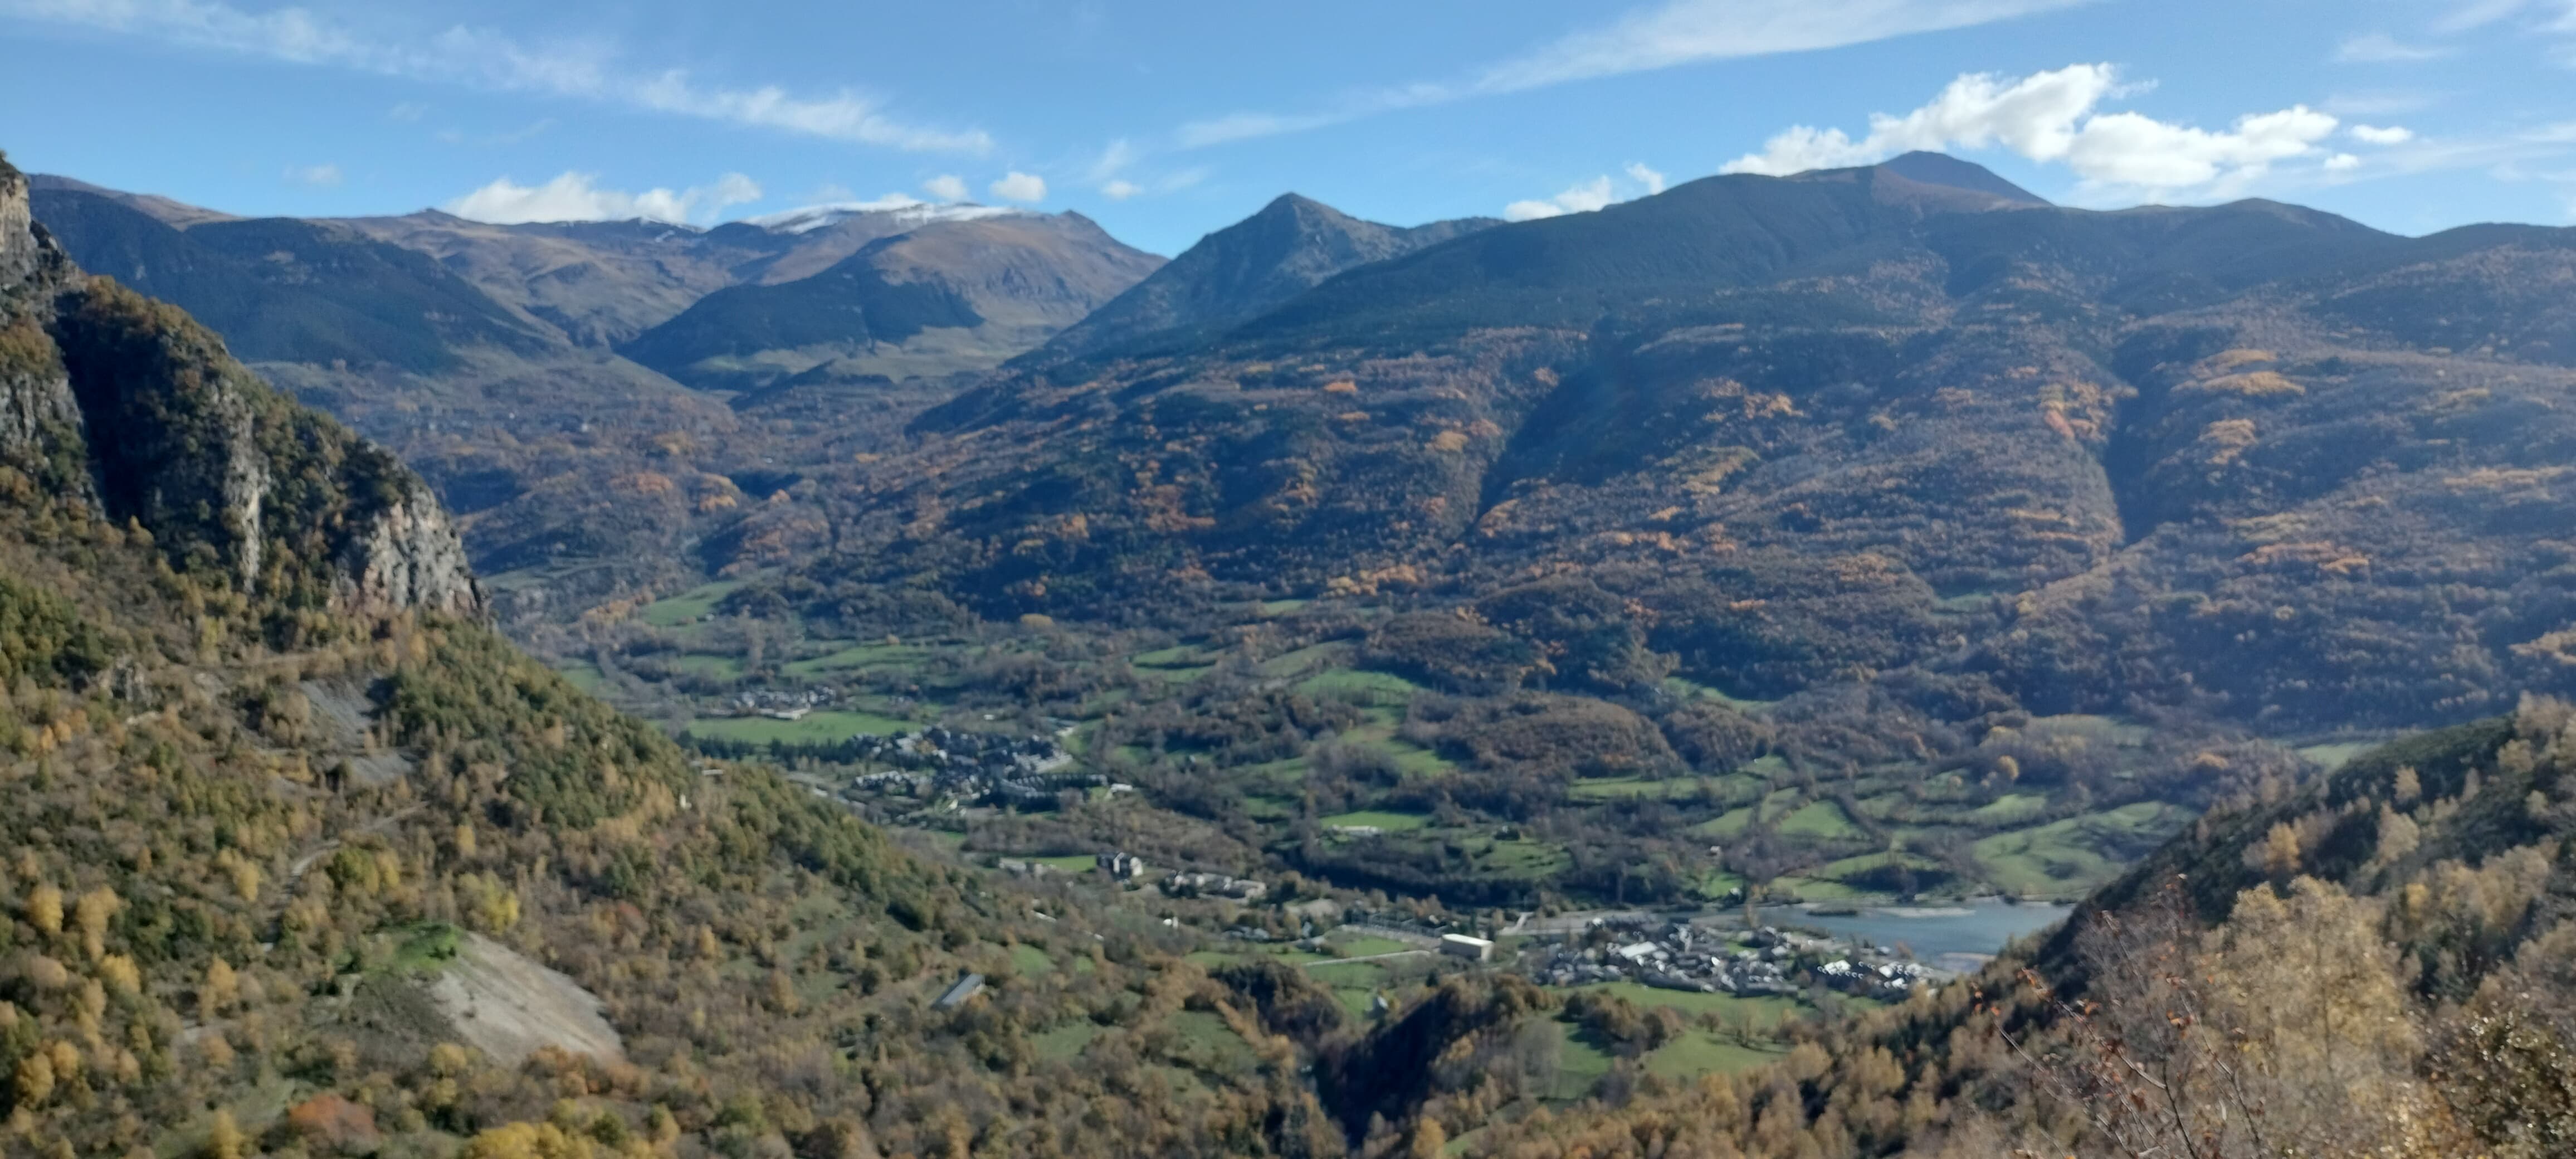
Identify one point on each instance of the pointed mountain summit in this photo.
(1291, 246)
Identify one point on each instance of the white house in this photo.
(1462, 946)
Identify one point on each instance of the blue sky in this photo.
(1164, 120)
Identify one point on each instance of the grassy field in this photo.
(1065, 1043)
(1580, 1063)
(815, 728)
(1365, 945)
(1067, 863)
(1699, 1052)
(2070, 857)
(1622, 788)
(1212, 1045)
(1360, 686)
(1728, 824)
(710, 667)
(1378, 818)
(2010, 809)
(1820, 819)
(2333, 756)
(861, 658)
(1689, 689)
(1762, 1012)
(1030, 960)
(689, 606)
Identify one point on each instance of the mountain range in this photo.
(2252, 458)
(1876, 532)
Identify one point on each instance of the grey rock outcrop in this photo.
(126, 406)
(407, 555)
(39, 417)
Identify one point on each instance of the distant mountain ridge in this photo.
(1807, 424)
(1290, 246)
(950, 293)
(594, 285)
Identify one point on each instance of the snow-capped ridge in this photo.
(909, 210)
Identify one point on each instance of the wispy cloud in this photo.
(2381, 48)
(1111, 173)
(484, 59)
(1675, 32)
(2055, 117)
(316, 175)
(945, 187)
(579, 197)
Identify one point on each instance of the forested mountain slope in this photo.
(1814, 428)
(2375, 965)
(302, 859)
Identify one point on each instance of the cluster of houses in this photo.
(784, 703)
(1879, 980)
(1213, 885)
(1680, 956)
(971, 767)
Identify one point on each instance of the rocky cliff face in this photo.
(408, 556)
(36, 404)
(125, 406)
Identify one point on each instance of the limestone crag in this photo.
(408, 556)
(37, 410)
(127, 406)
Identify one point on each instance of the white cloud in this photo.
(483, 59)
(1120, 189)
(1018, 186)
(2342, 163)
(945, 187)
(407, 111)
(2381, 48)
(1584, 197)
(578, 197)
(2053, 117)
(1663, 35)
(2376, 135)
(316, 175)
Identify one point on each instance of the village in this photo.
(1686, 955)
(948, 768)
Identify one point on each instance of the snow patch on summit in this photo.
(908, 210)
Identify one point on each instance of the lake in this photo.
(1958, 936)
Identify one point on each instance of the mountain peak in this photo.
(1288, 247)
(1927, 168)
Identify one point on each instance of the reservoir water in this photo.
(1957, 936)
